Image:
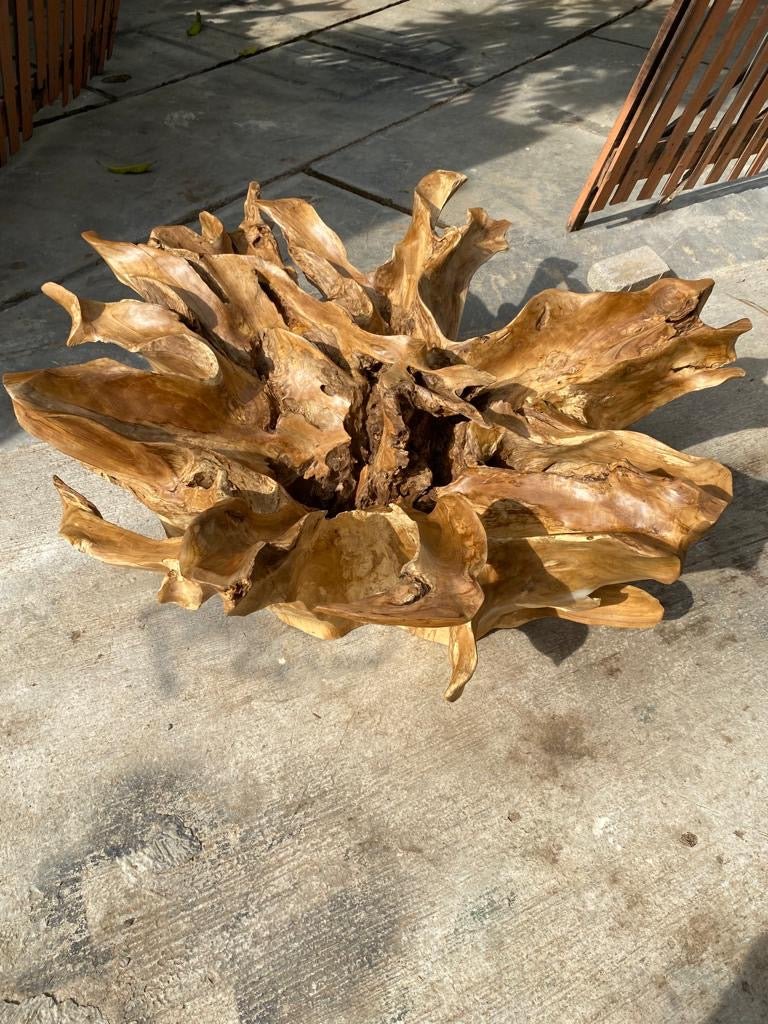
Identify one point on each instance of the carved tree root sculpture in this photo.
(343, 460)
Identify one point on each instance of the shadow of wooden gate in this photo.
(48, 51)
(699, 105)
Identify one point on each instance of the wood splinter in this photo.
(343, 460)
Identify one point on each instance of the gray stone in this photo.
(627, 271)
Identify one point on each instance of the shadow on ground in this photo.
(657, 208)
(746, 1000)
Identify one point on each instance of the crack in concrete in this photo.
(48, 1008)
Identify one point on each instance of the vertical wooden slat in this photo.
(66, 51)
(3, 133)
(688, 156)
(707, 20)
(106, 32)
(632, 103)
(95, 37)
(723, 125)
(727, 120)
(41, 50)
(691, 11)
(8, 77)
(54, 50)
(24, 67)
(703, 88)
(78, 44)
(752, 148)
(87, 33)
(115, 8)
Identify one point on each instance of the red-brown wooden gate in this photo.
(48, 51)
(699, 105)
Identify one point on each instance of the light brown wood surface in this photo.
(343, 459)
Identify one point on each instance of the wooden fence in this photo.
(48, 51)
(699, 105)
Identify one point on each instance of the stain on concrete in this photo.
(697, 936)
(610, 666)
(336, 948)
(633, 898)
(563, 738)
(552, 745)
(690, 628)
(153, 903)
(550, 852)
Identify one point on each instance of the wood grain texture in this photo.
(343, 461)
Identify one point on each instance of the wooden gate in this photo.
(48, 51)
(699, 106)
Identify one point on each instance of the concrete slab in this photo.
(238, 16)
(640, 27)
(492, 130)
(149, 62)
(228, 31)
(85, 100)
(322, 13)
(528, 117)
(136, 14)
(206, 137)
(471, 41)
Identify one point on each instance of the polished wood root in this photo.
(341, 460)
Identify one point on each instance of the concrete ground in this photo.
(221, 821)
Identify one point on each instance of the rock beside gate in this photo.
(627, 271)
